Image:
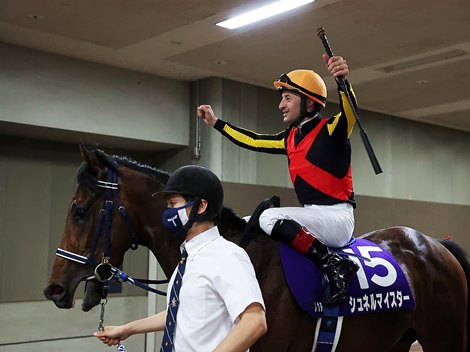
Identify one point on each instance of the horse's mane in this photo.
(89, 180)
(158, 174)
(229, 217)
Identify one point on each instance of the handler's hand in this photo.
(206, 114)
(112, 335)
(336, 65)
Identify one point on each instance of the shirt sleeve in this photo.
(343, 123)
(237, 283)
(266, 143)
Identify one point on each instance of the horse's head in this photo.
(96, 226)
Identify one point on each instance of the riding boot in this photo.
(338, 270)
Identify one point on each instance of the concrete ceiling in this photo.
(408, 58)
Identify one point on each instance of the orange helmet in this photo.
(305, 82)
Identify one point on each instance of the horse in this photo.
(438, 271)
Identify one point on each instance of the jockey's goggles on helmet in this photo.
(285, 82)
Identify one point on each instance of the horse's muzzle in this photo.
(57, 294)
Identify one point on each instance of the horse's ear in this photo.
(90, 158)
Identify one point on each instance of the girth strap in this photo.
(328, 330)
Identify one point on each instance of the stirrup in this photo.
(334, 299)
(336, 276)
(338, 297)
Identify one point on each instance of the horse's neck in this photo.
(230, 233)
(233, 229)
(163, 245)
(149, 211)
(261, 249)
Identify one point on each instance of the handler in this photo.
(319, 158)
(213, 295)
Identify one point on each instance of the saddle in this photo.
(273, 201)
(380, 284)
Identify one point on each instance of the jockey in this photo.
(319, 160)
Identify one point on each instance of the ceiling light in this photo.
(263, 12)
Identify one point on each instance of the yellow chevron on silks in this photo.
(349, 114)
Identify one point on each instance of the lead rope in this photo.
(120, 347)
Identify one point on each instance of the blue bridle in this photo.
(104, 271)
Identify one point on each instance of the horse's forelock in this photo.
(105, 159)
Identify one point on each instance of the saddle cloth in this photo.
(380, 284)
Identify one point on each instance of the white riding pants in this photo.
(332, 224)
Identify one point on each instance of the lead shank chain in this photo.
(100, 324)
(120, 347)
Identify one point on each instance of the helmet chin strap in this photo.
(303, 111)
(191, 218)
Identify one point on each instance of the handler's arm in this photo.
(112, 335)
(250, 328)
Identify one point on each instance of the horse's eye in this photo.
(79, 213)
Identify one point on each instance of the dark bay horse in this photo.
(438, 275)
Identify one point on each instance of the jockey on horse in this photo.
(319, 157)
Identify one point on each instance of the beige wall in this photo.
(60, 98)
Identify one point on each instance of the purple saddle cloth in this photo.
(379, 285)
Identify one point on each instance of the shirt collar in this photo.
(198, 242)
(304, 121)
(308, 124)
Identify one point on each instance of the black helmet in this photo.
(200, 183)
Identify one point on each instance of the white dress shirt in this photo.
(218, 285)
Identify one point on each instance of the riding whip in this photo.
(342, 83)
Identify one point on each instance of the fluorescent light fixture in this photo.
(263, 12)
